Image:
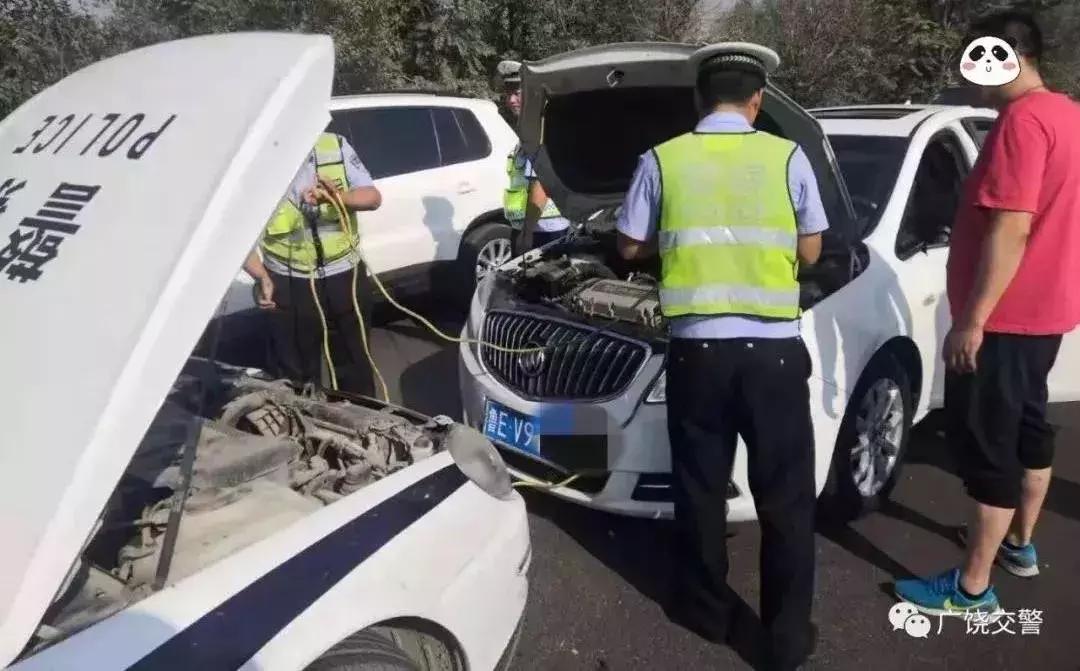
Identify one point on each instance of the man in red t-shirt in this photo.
(1013, 291)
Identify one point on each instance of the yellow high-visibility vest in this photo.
(516, 195)
(728, 236)
(290, 238)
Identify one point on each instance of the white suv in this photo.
(440, 163)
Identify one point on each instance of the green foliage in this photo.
(41, 41)
(860, 51)
(833, 51)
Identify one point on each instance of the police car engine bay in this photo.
(267, 455)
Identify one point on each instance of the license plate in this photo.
(512, 428)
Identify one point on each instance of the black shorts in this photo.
(997, 416)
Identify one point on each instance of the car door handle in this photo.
(465, 187)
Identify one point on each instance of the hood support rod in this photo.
(187, 466)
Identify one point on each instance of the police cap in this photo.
(509, 72)
(744, 56)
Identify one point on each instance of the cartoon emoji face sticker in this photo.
(989, 61)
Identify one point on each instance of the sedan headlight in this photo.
(479, 461)
(658, 391)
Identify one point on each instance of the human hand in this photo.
(264, 292)
(322, 192)
(961, 350)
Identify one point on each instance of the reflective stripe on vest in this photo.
(289, 237)
(728, 235)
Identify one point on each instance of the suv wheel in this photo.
(872, 441)
(483, 249)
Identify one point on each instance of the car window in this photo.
(475, 135)
(461, 138)
(869, 165)
(935, 196)
(390, 140)
(978, 128)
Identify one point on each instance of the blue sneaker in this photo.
(1021, 562)
(941, 595)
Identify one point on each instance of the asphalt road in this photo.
(596, 577)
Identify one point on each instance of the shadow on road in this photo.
(431, 385)
(637, 550)
(1063, 498)
(859, 546)
(902, 513)
(930, 446)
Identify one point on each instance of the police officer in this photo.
(304, 239)
(516, 195)
(533, 216)
(735, 213)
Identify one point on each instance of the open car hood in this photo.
(130, 194)
(588, 115)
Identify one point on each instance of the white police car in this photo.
(305, 529)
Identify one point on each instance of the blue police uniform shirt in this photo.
(549, 224)
(639, 220)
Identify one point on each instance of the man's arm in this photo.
(809, 211)
(809, 249)
(1010, 191)
(362, 199)
(362, 195)
(253, 265)
(533, 209)
(640, 215)
(634, 250)
(264, 293)
(999, 260)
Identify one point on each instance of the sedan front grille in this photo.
(578, 363)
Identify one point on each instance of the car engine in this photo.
(583, 276)
(267, 455)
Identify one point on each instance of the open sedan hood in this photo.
(588, 115)
(130, 193)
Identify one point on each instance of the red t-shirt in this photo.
(1030, 162)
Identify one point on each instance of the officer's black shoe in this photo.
(795, 662)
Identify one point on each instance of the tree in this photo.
(42, 41)
(873, 51)
(379, 44)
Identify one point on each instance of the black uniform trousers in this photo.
(297, 335)
(758, 388)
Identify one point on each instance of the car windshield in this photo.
(869, 165)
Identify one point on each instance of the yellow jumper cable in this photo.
(343, 218)
(547, 485)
